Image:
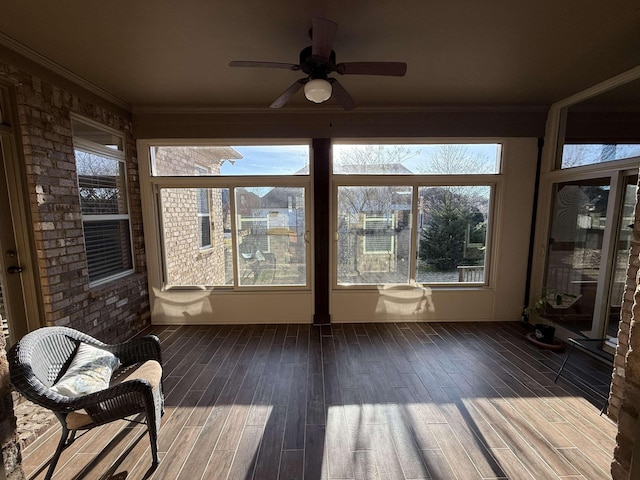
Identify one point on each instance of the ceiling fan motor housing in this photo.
(316, 67)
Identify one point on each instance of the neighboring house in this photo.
(194, 238)
(271, 228)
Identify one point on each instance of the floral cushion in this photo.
(89, 372)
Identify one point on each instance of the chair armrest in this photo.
(104, 405)
(137, 350)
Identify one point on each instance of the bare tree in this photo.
(576, 155)
(579, 154)
(455, 159)
(371, 158)
(101, 184)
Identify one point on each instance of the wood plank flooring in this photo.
(357, 401)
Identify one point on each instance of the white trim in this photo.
(602, 87)
(111, 278)
(104, 218)
(369, 180)
(223, 142)
(98, 126)
(608, 255)
(29, 314)
(492, 181)
(97, 149)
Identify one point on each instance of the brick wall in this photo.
(186, 262)
(624, 399)
(118, 309)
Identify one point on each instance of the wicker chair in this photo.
(41, 358)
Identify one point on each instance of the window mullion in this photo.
(415, 234)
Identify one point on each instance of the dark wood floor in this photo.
(375, 402)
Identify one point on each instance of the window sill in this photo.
(98, 288)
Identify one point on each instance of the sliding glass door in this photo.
(588, 252)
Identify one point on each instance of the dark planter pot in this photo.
(545, 333)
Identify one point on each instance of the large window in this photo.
(250, 230)
(227, 160)
(452, 233)
(271, 236)
(103, 200)
(402, 232)
(416, 159)
(374, 239)
(410, 213)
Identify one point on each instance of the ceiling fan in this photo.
(318, 61)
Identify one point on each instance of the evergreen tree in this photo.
(442, 242)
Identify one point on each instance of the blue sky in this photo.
(269, 160)
(288, 159)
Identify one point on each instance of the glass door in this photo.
(575, 252)
(621, 259)
(588, 254)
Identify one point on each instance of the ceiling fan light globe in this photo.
(317, 90)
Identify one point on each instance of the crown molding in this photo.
(332, 110)
(57, 69)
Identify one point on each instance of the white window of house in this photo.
(102, 186)
(254, 232)
(378, 236)
(204, 212)
(414, 212)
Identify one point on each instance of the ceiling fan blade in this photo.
(322, 33)
(249, 63)
(341, 95)
(288, 93)
(396, 69)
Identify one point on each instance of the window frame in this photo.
(491, 180)
(117, 155)
(231, 182)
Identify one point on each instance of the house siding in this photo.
(186, 262)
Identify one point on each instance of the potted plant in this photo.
(544, 329)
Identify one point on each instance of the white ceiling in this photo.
(459, 52)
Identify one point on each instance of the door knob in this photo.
(14, 269)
